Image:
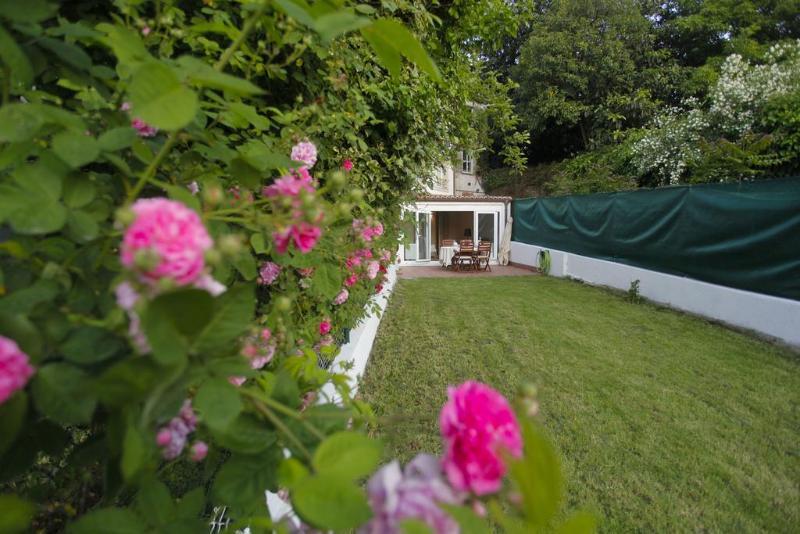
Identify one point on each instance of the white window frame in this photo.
(467, 162)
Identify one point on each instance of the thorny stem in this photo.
(286, 411)
(261, 407)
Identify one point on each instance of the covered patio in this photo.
(440, 218)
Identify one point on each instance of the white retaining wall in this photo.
(772, 316)
(356, 351)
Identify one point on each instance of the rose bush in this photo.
(197, 203)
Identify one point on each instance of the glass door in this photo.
(410, 237)
(423, 236)
(487, 225)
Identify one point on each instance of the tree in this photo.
(588, 69)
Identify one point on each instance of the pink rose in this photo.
(198, 451)
(146, 31)
(282, 240)
(290, 185)
(324, 327)
(347, 165)
(237, 380)
(172, 437)
(342, 297)
(477, 425)
(268, 273)
(351, 280)
(173, 234)
(15, 371)
(305, 236)
(372, 269)
(142, 128)
(305, 152)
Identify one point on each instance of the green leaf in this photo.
(154, 502)
(390, 33)
(19, 122)
(291, 472)
(337, 23)
(415, 526)
(200, 73)
(173, 319)
(257, 242)
(78, 191)
(60, 392)
(16, 60)
(90, 344)
(76, 149)
(182, 194)
(246, 265)
(246, 434)
(537, 475)
(191, 504)
(24, 332)
(12, 416)
(250, 114)
(388, 56)
(328, 501)
(158, 98)
(298, 10)
(117, 139)
(24, 300)
(81, 226)
(467, 520)
(68, 52)
(28, 11)
(578, 523)
(15, 514)
(135, 452)
(233, 312)
(261, 157)
(241, 482)
(126, 44)
(108, 521)
(327, 280)
(36, 206)
(348, 455)
(218, 403)
(128, 381)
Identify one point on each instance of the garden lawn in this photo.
(665, 422)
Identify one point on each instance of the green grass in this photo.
(665, 422)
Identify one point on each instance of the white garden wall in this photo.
(772, 316)
(357, 352)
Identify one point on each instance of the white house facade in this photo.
(454, 207)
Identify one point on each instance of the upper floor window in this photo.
(467, 163)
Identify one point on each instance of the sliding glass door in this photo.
(418, 246)
(486, 223)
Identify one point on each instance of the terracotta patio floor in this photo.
(411, 272)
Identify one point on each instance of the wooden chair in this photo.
(465, 255)
(484, 255)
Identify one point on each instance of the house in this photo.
(454, 207)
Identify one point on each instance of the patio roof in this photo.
(462, 198)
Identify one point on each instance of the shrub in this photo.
(197, 203)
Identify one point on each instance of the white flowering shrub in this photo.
(743, 89)
(680, 140)
(671, 145)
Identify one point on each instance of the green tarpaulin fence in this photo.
(742, 235)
